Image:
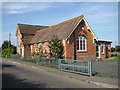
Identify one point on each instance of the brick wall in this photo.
(90, 54)
(27, 51)
(18, 42)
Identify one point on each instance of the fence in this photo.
(95, 68)
(15, 56)
(77, 66)
(51, 62)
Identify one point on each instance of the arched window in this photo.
(81, 43)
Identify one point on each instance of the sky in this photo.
(101, 16)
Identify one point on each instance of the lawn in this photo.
(115, 59)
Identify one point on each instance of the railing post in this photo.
(59, 61)
(73, 65)
(90, 68)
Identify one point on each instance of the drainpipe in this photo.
(74, 45)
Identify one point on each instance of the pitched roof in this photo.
(107, 41)
(62, 30)
(30, 29)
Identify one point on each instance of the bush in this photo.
(55, 47)
(114, 55)
(33, 53)
(6, 53)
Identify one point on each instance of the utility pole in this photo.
(9, 40)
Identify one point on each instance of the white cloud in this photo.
(97, 13)
(14, 8)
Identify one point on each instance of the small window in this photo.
(82, 27)
(102, 48)
(81, 43)
(43, 47)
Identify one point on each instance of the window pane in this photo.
(83, 46)
(78, 44)
(96, 48)
(83, 42)
(102, 48)
(80, 38)
(97, 54)
(83, 38)
(80, 41)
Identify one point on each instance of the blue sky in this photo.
(101, 16)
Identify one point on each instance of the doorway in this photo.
(98, 50)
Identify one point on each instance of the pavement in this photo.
(99, 81)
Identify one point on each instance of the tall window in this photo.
(102, 48)
(81, 43)
(37, 49)
(43, 47)
(31, 48)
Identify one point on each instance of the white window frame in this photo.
(98, 49)
(83, 50)
(37, 48)
(43, 45)
(22, 51)
(19, 49)
(31, 48)
(103, 48)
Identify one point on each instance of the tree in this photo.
(55, 47)
(7, 51)
(5, 44)
(14, 49)
(117, 48)
(112, 49)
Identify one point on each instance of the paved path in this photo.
(17, 76)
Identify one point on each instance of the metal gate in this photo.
(77, 66)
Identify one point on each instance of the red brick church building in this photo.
(77, 37)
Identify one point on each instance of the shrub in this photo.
(33, 53)
(114, 55)
(55, 47)
(6, 53)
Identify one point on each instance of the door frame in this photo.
(98, 50)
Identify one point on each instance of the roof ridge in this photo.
(79, 17)
(31, 25)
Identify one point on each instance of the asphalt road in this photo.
(16, 76)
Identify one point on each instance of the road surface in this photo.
(16, 76)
